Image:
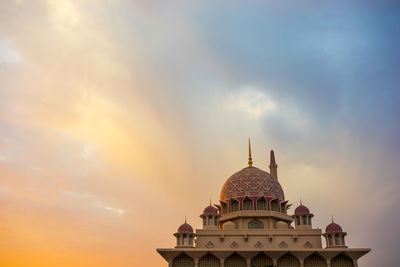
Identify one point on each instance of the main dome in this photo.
(251, 182)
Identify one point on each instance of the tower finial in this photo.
(333, 220)
(250, 159)
(185, 219)
(301, 202)
(210, 201)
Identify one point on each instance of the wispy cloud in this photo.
(252, 102)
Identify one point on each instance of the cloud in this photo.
(94, 201)
(8, 53)
(252, 102)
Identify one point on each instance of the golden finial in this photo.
(332, 219)
(301, 202)
(210, 201)
(185, 219)
(250, 159)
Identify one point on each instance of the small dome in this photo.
(333, 228)
(301, 210)
(185, 228)
(210, 210)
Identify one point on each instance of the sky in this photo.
(119, 118)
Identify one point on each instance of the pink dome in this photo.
(210, 210)
(333, 228)
(251, 182)
(185, 228)
(301, 210)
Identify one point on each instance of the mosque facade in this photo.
(252, 227)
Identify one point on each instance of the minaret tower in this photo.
(273, 168)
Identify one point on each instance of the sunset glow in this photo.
(120, 118)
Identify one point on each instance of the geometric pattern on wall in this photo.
(283, 244)
(308, 244)
(258, 244)
(210, 244)
(234, 244)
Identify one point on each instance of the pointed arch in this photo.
(247, 204)
(261, 204)
(255, 224)
(274, 205)
(261, 260)
(235, 205)
(288, 260)
(183, 260)
(315, 260)
(235, 260)
(342, 260)
(209, 260)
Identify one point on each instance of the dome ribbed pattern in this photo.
(333, 228)
(185, 228)
(301, 210)
(251, 182)
(210, 210)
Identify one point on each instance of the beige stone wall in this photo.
(295, 239)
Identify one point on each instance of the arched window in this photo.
(298, 220)
(190, 240)
(315, 260)
(343, 240)
(309, 220)
(337, 242)
(215, 220)
(342, 261)
(274, 205)
(261, 204)
(247, 204)
(255, 224)
(178, 239)
(283, 209)
(184, 240)
(261, 260)
(183, 260)
(235, 260)
(209, 260)
(224, 208)
(209, 220)
(330, 240)
(304, 219)
(288, 260)
(235, 205)
(204, 221)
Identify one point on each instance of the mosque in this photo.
(251, 227)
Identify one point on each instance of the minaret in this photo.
(273, 168)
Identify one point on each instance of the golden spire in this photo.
(185, 219)
(250, 159)
(301, 202)
(210, 201)
(332, 219)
